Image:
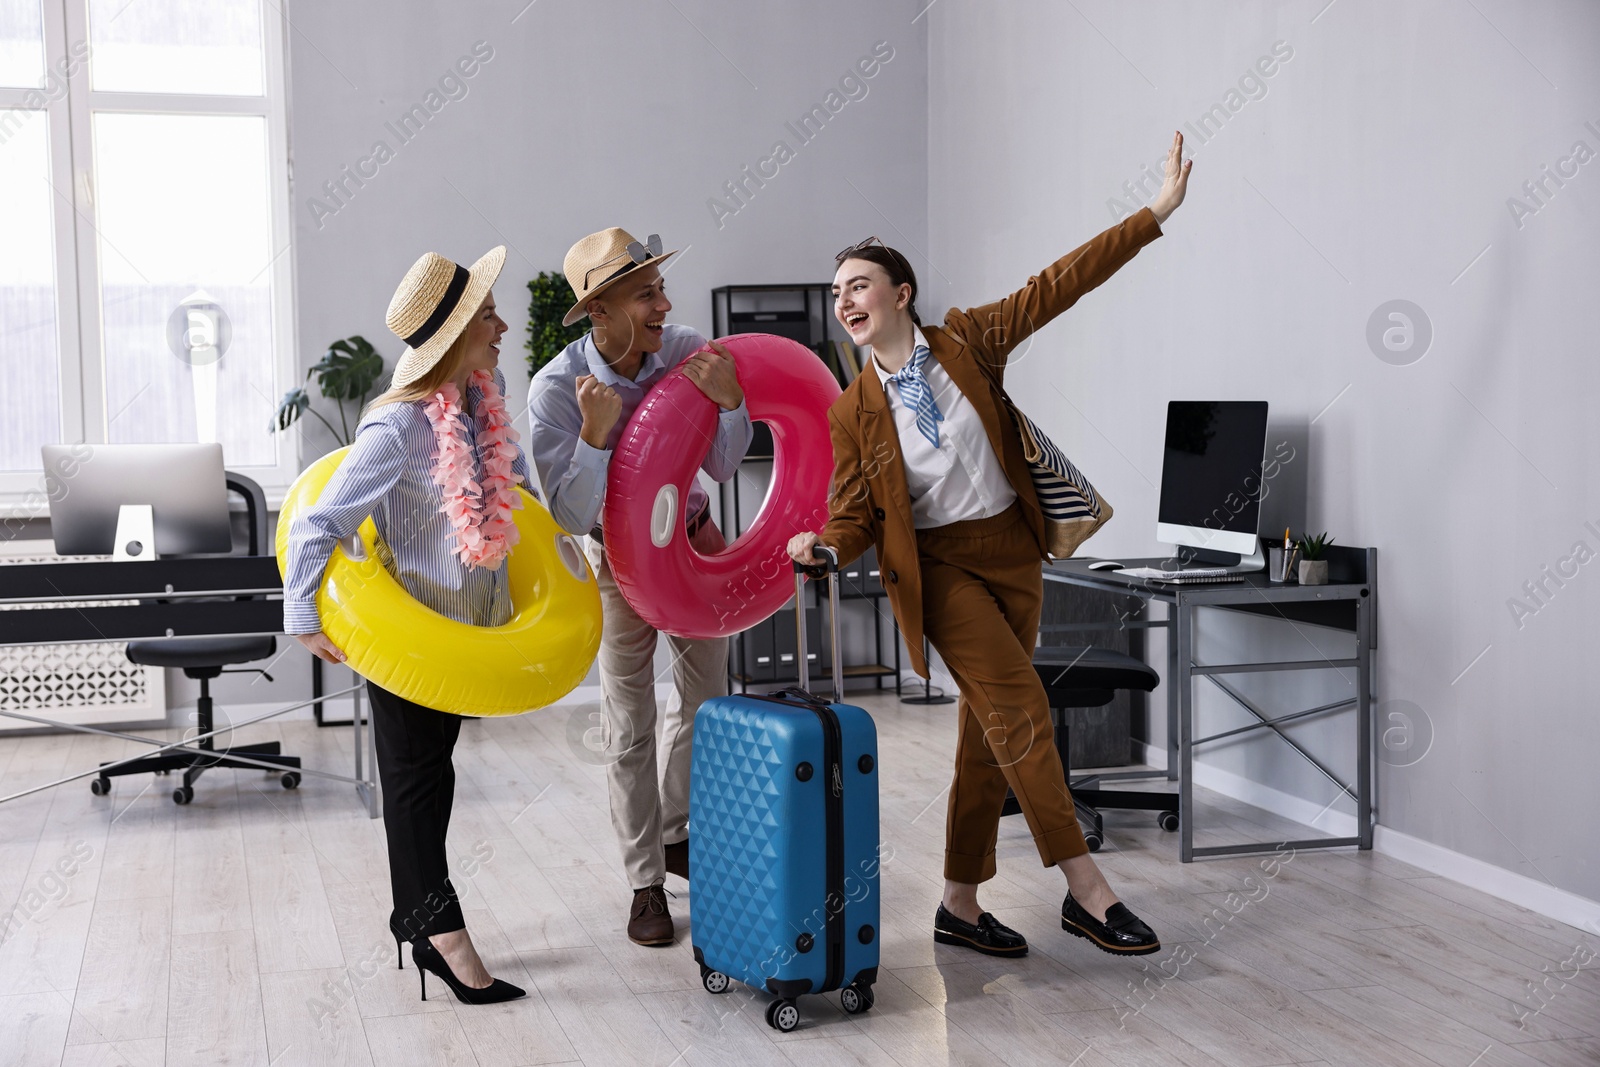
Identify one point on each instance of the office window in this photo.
(21, 44)
(27, 302)
(144, 280)
(177, 46)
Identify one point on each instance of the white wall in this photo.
(1377, 166)
(587, 115)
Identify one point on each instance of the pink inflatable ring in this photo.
(673, 587)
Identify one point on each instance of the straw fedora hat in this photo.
(602, 259)
(431, 307)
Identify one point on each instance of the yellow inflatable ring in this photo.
(531, 661)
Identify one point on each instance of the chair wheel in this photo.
(1093, 840)
(182, 795)
(290, 779)
(100, 786)
(783, 1015)
(855, 999)
(714, 981)
(1168, 821)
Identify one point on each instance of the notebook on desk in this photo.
(1187, 576)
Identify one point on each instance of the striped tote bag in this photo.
(1073, 511)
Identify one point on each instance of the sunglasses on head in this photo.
(858, 246)
(861, 246)
(638, 252)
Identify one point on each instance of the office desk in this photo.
(1347, 603)
(66, 602)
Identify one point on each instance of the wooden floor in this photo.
(249, 928)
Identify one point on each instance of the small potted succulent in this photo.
(1313, 567)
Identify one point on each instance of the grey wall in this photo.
(586, 115)
(590, 115)
(1381, 161)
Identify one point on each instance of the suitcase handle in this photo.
(791, 692)
(829, 564)
(829, 567)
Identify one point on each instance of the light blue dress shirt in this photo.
(388, 474)
(572, 471)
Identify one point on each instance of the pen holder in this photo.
(1275, 565)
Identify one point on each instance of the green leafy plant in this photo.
(1312, 547)
(347, 371)
(549, 298)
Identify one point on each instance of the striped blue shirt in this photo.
(572, 471)
(388, 474)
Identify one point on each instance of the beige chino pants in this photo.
(648, 780)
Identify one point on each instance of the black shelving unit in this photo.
(764, 654)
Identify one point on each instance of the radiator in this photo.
(88, 683)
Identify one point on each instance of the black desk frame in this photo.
(1348, 603)
(176, 598)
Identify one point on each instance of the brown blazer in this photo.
(869, 503)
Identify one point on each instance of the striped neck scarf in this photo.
(916, 392)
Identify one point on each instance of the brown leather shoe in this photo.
(678, 859)
(649, 922)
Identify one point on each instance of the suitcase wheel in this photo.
(855, 999)
(783, 1015)
(714, 981)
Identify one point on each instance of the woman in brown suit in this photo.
(929, 468)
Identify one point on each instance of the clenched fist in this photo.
(601, 408)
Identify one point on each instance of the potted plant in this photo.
(1313, 568)
(549, 297)
(347, 371)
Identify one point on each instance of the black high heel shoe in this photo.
(400, 939)
(427, 958)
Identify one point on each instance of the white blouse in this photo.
(962, 478)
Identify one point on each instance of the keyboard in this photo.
(1186, 574)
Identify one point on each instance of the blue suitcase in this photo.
(783, 842)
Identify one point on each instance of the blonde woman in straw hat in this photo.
(436, 465)
(578, 405)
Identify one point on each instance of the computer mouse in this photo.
(1106, 565)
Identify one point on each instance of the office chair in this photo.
(205, 658)
(1088, 677)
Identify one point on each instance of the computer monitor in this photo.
(1211, 477)
(184, 485)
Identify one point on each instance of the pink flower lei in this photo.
(480, 514)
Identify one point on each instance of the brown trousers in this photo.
(981, 591)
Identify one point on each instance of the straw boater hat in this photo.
(435, 300)
(604, 258)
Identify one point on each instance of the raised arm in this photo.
(995, 330)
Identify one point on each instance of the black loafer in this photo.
(987, 936)
(1122, 934)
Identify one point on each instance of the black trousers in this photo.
(419, 783)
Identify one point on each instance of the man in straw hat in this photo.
(578, 405)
